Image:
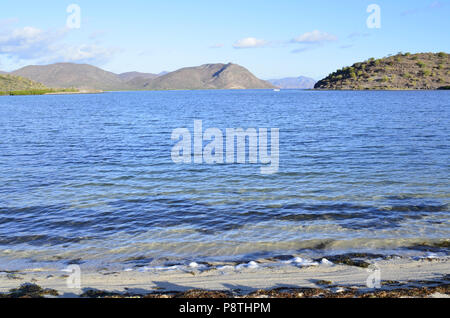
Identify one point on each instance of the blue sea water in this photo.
(90, 177)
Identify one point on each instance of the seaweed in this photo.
(29, 290)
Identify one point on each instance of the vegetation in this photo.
(401, 71)
(39, 92)
(10, 83)
(16, 85)
(421, 64)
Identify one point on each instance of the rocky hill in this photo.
(128, 76)
(401, 71)
(10, 83)
(300, 82)
(208, 76)
(66, 75)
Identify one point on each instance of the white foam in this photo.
(326, 262)
(225, 268)
(431, 256)
(251, 264)
(298, 261)
(193, 265)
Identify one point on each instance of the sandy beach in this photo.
(403, 275)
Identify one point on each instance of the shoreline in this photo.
(20, 260)
(398, 277)
(76, 93)
(93, 92)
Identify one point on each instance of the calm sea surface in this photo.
(90, 177)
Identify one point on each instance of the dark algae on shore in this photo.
(29, 290)
(389, 289)
(401, 71)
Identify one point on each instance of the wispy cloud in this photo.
(97, 35)
(9, 21)
(85, 53)
(315, 37)
(355, 35)
(312, 40)
(30, 44)
(216, 46)
(250, 43)
(433, 5)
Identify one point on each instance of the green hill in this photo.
(402, 71)
(9, 83)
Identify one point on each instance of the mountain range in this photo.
(401, 71)
(84, 76)
(300, 82)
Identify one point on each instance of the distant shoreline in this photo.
(76, 93)
(93, 92)
(50, 92)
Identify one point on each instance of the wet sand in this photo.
(400, 277)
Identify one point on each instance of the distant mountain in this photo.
(10, 83)
(66, 75)
(402, 71)
(1, 72)
(128, 76)
(207, 76)
(300, 82)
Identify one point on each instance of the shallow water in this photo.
(90, 177)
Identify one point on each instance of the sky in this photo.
(273, 39)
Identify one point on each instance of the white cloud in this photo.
(30, 44)
(315, 37)
(85, 53)
(250, 43)
(216, 46)
(27, 42)
(312, 40)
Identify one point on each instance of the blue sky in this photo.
(271, 38)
